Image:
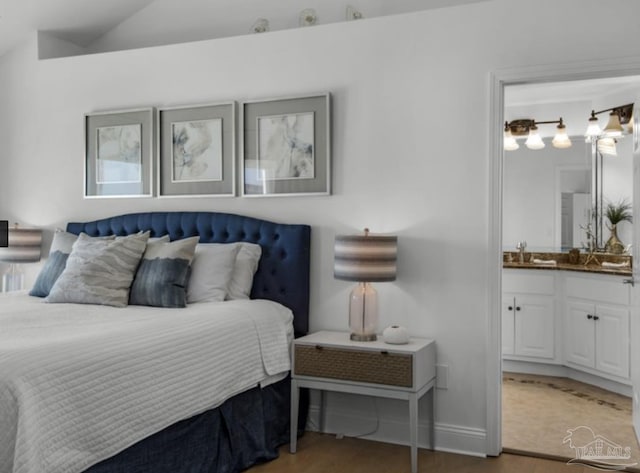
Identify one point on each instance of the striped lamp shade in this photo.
(365, 258)
(23, 245)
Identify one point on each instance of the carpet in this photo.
(540, 412)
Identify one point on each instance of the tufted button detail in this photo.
(276, 237)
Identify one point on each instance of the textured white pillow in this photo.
(99, 271)
(246, 266)
(211, 271)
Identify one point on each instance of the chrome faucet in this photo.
(521, 247)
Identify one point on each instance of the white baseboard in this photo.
(393, 429)
(461, 439)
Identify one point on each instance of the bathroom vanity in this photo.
(567, 320)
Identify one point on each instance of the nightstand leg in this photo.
(321, 421)
(295, 395)
(413, 427)
(432, 418)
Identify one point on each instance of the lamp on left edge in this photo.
(23, 246)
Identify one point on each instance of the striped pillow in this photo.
(54, 265)
(163, 274)
(99, 271)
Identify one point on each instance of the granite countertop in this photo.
(563, 263)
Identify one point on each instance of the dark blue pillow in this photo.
(49, 274)
(55, 263)
(163, 274)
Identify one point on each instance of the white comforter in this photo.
(79, 383)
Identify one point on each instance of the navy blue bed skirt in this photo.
(245, 430)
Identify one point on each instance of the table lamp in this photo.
(23, 246)
(365, 259)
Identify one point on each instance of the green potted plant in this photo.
(616, 213)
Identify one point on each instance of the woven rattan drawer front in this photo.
(376, 367)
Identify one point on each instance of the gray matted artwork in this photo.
(119, 154)
(197, 150)
(286, 146)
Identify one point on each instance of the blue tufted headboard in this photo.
(283, 272)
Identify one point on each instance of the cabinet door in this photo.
(508, 328)
(534, 326)
(612, 340)
(579, 334)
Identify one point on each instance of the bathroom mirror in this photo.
(550, 194)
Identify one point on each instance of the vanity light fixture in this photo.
(618, 116)
(529, 127)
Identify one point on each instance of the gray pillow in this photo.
(163, 274)
(211, 272)
(99, 271)
(54, 265)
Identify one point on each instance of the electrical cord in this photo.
(340, 435)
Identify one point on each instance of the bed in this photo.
(221, 432)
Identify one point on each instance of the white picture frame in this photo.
(119, 150)
(286, 146)
(196, 150)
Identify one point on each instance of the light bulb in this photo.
(593, 129)
(534, 141)
(613, 128)
(561, 140)
(510, 143)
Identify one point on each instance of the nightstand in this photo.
(330, 361)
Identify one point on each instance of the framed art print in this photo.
(119, 154)
(197, 151)
(286, 146)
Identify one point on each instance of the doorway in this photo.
(568, 77)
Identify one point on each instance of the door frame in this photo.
(498, 80)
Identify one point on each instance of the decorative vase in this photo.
(614, 245)
(395, 335)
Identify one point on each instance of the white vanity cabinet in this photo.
(596, 325)
(528, 315)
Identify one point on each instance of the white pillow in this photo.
(211, 270)
(245, 268)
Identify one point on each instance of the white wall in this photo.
(167, 21)
(402, 87)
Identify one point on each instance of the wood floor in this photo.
(320, 453)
